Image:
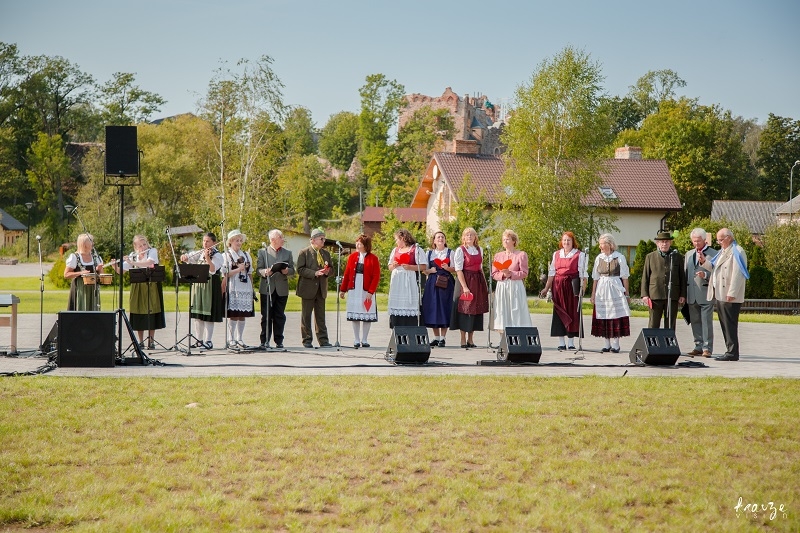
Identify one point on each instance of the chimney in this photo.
(462, 146)
(628, 152)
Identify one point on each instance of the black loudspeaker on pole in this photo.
(122, 152)
(655, 346)
(409, 346)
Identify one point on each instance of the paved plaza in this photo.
(767, 350)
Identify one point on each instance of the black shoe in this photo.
(208, 345)
(727, 357)
(326, 345)
(441, 343)
(614, 350)
(279, 345)
(570, 347)
(356, 345)
(470, 345)
(562, 348)
(434, 343)
(605, 350)
(463, 345)
(307, 345)
(365, 345)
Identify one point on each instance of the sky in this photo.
(740, 54)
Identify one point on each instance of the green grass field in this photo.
(398, 454)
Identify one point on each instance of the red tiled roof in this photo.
(403, 214)
(485, 172)
(639, 184)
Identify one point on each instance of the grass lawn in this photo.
(398, 454)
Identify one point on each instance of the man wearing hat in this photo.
(313, 268)
(663, 269)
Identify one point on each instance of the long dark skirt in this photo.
(397, 320)
(148, 296)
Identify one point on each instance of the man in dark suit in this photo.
(701, 309)
(274, 288)
(661, 267)
(313, 267)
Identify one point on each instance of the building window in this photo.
(607, 193)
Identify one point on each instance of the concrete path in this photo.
(768, 350)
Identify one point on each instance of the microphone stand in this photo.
(491, 299)
(668, 319)
(41, 296)
(419, 288)
(581, 290)
(338, 300)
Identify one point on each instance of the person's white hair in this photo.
(609, 239)
(698, 232)
(274, 234)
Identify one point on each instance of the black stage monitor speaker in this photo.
(122, 153)
(409, 345)
(86, 338)
(520, 345)
(655, 347)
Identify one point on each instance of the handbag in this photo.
(441, 281)
(466, 296)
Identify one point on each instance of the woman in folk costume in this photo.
(472, 292)
(238, 285)
(207, 304)
(437, 300)
(83, 297)
(509, 270)
(610, 317)
(359, 283)
(566, 276)
(405, 262)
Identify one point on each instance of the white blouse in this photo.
(458, 256)
(582, 262)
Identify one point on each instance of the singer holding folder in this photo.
(274, 265)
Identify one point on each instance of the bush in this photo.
(637, 269)
(56, 274)
(782, 256)
(761, 283)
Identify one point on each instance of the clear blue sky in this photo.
(741, 54)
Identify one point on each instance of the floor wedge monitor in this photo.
(409, 345)
(655, 346)
(520, 345)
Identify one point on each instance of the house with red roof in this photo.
(642, 190)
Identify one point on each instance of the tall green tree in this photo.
(703, 148)
(424, 133)
(778, 149)
(655, 87)
(782, 254)
(306, 189)
(241, 105)
(338, 142)
(123, 102)
(554, 153)
(381, 101)
(49, 174)
(298, 131)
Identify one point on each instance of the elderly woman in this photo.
(359, 283)
(567, 279)
(147, 298)
(405, 262)
(610, 317)
(238, 285)
(437, 301)
(509, 270)
(472, 293)
(83, 297)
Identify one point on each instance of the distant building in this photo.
(643, 190)
(756, 215)
(11, 229)
(475, 118)
(789, 211)
(373, 217)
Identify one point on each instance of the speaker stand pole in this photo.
(491, 306)
(337, 344)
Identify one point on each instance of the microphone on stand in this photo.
(167, 230)
(339, 244)
(38, 237)
(263, 245)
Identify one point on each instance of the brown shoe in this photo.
(706, 353)
(695, 352)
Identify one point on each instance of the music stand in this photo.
(155, 274)
(190, 274)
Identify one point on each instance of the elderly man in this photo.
(275, 264)
(728, 277)
(701, 309)
(663, 279)
(313, 267)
